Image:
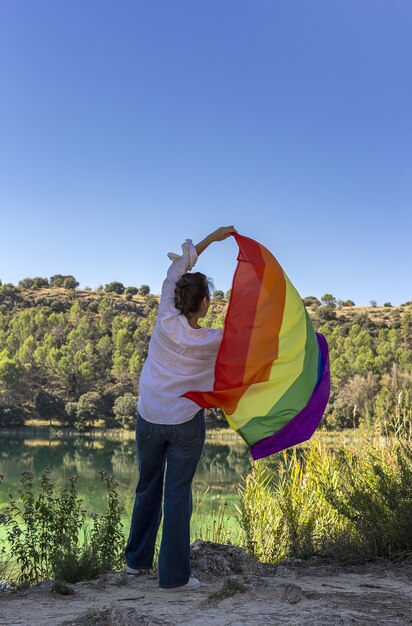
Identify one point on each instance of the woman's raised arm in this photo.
(218, 235)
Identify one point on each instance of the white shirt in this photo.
(180, 358)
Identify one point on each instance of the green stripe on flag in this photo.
(293, 400)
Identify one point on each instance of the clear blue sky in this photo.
(128, 126)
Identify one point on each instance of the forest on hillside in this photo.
(75, 356)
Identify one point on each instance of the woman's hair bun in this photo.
(190, 291)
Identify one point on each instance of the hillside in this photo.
(75, 356)
(61, 299)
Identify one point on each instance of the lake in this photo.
(69, 454)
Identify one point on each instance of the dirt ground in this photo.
(235, 590)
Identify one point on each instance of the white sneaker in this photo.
(136, 572)
(192, 583)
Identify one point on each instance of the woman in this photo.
(170, 430)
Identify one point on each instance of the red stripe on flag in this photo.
(240, 317)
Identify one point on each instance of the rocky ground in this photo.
(235, 591)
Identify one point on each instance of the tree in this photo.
(115, 287)
(373, 303)
(348, 303)
(125, 410)
(11, 415)
(26, 283)
(329, 300)
(311, 300)
(144, 290)
(48, 406)
(219, 295)
(132, 290)
(104, 350)
(354, 401)
(89, 409)
(11, 379)
(106, 316)
(56, 281)
(6, 287)
(70, 282)
(9, 370)
(387, 304)
(70, 410)
(136, 363)
(228, 294)
(39, 282)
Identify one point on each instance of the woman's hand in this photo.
(218, 235)
(223, 233)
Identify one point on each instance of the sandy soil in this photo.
(234, 591)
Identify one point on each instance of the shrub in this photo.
(11, 415)
(70, 282)
(26, 283)
(311, 300)
(144, 290)
(48, 534)
(330, 504)
(326, 313)
(114, 287)
(40, 283)
(8, 289)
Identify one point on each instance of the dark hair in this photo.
(190, 291)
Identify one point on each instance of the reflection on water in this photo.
(218, 474)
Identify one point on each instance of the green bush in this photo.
(50, 535)
(336, 505)
(373, 493)
(11, 415)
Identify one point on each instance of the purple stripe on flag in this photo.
(304, 424)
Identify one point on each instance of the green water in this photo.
(69, 454)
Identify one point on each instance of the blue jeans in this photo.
(177, 449)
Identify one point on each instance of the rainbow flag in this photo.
(272, 370)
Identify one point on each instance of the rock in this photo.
(285, 572)
(214, 559)
(113, 578)
(254, 582)
(290, 593)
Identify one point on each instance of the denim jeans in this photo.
(176, 450)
